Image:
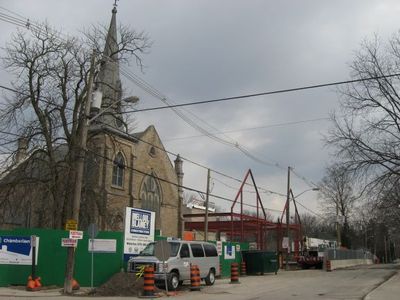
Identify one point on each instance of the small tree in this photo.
(337, 198)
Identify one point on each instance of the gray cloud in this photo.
(210, 49)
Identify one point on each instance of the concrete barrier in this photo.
(344, 263)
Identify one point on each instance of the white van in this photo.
(183, 253)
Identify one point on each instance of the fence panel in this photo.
(344, 254)
(52, 259)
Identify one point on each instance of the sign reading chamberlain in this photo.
(16, 250)
(139, 230)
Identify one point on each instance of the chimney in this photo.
(22, 149)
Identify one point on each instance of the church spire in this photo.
(108, 80)
(111, 46)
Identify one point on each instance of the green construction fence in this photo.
(52, 258)
(226, 260)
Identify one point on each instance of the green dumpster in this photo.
(260, 262)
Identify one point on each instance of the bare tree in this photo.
(367, 138)
(337, 197)
(51, 85)
(316, 227)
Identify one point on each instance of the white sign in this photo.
(102, 246)
(17, 250)
(65, 242)
(219, 248)
(76, 235)
(238, 248)
(340, 219)
(139, 230)
(229, 251)
(285, 242)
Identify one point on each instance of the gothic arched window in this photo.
(118, 170)
(150, 194)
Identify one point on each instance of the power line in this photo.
(172, 183)
(26, 23)
(192, 189)
(195, 163)
(254, 128)
(184, 158)
(308, 182)
(310, 210)
(153, 91)
(268, 93)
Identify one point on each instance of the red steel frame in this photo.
(240, 226)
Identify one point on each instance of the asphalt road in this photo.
(367, 282)
(355, 283)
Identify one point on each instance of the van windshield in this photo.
(149, 250)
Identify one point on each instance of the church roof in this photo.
(108, 79)
(111, 46)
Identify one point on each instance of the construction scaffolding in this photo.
(242, 227)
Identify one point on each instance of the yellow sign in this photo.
(71, 225)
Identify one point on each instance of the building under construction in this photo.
(261, 232)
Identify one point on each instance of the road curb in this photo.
(383, 282)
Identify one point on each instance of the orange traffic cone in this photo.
(30, 285)
(38, 284)
(75, 284)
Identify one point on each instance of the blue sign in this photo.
(139, 230)
(140, 222)
(15, 250)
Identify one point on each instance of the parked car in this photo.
(177, 267)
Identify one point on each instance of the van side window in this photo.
(210, 250)
(197, 250)
(184, 251)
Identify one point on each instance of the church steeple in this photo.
(108, 80)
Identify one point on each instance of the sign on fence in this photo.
(76, 235)
(139, 230)
(219, 248)
(229, 252)
(102, 246)
(16, 250)
(65, 242)
(71, 225)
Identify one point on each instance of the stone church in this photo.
(124, 169)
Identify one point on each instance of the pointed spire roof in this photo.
(111, 47)
(108, 80)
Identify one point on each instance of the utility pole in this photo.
(80, 153)
(179, 173)
(385, 245)
(206, 214)
(338, 236)
(288, 219)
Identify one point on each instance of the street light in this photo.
(313, 189)
(96, 104)
(288, 218)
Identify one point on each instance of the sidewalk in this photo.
(21, 293)
(389, 290)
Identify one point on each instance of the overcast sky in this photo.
(211, 49)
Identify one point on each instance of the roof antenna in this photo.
(115, 3)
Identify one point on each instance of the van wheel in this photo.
(173, 281)
(210, 279)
